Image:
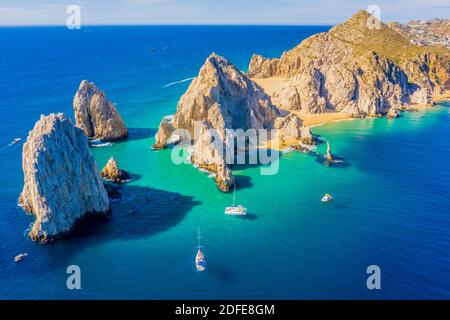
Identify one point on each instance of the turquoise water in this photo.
(391, 205)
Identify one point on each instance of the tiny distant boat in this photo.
(97, 143)
(235, 210)
(327, 198)
(20, 257)
(15, 141)
(200, 263)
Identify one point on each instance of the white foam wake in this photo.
(177, 82)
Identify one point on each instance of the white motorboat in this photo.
(238, 210)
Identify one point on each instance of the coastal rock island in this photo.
(97, 116)
(61, 180)
(222, 97)
(111, 172)
(353, 70)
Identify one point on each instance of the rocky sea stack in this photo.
(223, 98)
(61, 179)
(111, 172)
(96, 115)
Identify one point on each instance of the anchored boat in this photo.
(236, 210)
(200, 262)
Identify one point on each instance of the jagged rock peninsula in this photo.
(354, 69)
(96, 115)
(112, 172)
(61, 180)
(220, 98)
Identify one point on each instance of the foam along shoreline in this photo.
(274, 84)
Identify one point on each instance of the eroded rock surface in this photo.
(61, 179)
(97, 116)
(112, 172)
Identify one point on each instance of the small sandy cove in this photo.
(274, 84)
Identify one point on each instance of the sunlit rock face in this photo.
(97, 116)
(220, 98)
(61, 179)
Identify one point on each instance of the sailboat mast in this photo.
(198, 237)
(234, 194)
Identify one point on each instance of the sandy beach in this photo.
(271, 85)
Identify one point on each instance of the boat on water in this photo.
(20, 257)
(327, 198)
(234, 210)
(200, 262)
(98, 143)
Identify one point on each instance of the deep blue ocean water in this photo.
(391, 207)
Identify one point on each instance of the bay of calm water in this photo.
(391, 203)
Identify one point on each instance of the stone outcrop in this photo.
(164, 133)
(425, 33)
(219, 99)
(111, 172)
(354, 69)
(96, 115)
(329, 157)
(61, 179)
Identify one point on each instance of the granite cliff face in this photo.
(61, 180)
(355, 69)
(96, 115)
(112, 172)
(219, 99)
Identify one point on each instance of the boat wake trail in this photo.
(178, 82)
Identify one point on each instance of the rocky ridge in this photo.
(219, 99)
(357, 70)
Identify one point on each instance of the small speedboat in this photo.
(20, 257)
(327, 198)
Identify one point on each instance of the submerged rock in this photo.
(96, 115)
(112, 172)
(393, 113)
(61, 180)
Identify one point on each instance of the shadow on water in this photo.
(248, 216)
(145, 211)
(158, 211)
(336, 163)
(243, 182)
(140, 133)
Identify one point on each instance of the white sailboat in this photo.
(200, 262)
(236, 210)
